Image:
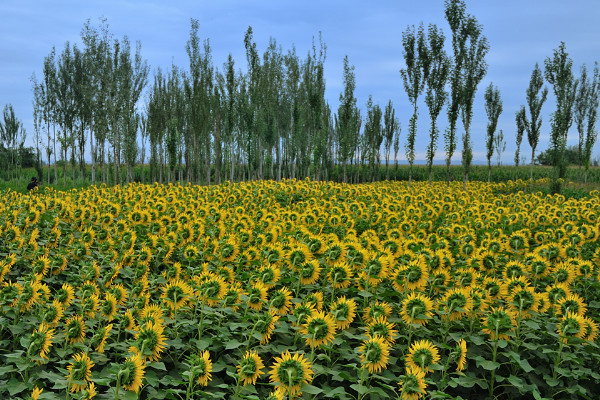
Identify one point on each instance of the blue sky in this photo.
(520, 34)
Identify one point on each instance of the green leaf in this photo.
(516, 382)
(232, 344)
(338, 392)
(4, 369)
(360, 388)
(14, 386)
(468, 382)
(310, 389)
(551, 381)
(488, 365)
(157, 365)
(532, 324)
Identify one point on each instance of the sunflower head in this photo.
(416, 309)
(344, 312)
(132, 373)
(290, 372)
(422, 355)
(412, 384)
(374, 353)
(80, 371)
(250, 368)
(320, 328)
(201, 367)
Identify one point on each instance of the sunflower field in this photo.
(299, 289)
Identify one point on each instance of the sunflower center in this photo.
(423, 358)
(248, 367)
(318, 328)
(290, 373)
(373, 352)
(174, 293)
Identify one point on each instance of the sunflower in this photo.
(126, 320)
(250, 368)
(571, 303)
(310, 272)
(265, 324)
(10, 293)
(572, 325)
(591, 329)
(315, 299)
(319, 328)
(108, 307)
(257, 296)
(456, 303)
(90, 305)
(343, 311)
(340, 275)
(53, 313)
(80, 371)
(99, 338)
(120, 293)
(461, 355)
(498, 323)
(422, 355)
(378, 309)
(149, 341)
(381, 327)
(564, 273)
(299, 254)
(29, 295)
(412, 384)
(524, 301)
(41, 341)
(176, 294)
(228, 249)
(376, 268)
(281, 300)
(132, 373)
(233, 296)
(334, 252)
(74, 329)
(416, 309)
(302, 312)
(438, 280)
(36, 392)
(41, 266)
(291, 371)
(211, 288)
(557, 292)
(374, 353)
(171, 271)
(269, 275)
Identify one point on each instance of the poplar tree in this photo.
(436, 94)
(535, 101)
(580, 113)
(590, 128)
(455, 13)
(521, 120)
(558, 72)
(414, 77)
(347, 120)
(475, 68)
(493, 109)
(12, 134)
(390, 128)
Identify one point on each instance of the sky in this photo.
(521, 33)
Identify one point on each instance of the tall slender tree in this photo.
(436, 94)
(493, 109)
(590, 129)
(390, 127)
(558, 72)
(475, 68)
(414, 77)
(536, 96)
(580, 113)
(521, 120)
(455, 13)
(348, 119)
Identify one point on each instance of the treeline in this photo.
(207, 124)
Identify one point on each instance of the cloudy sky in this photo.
(520, 33)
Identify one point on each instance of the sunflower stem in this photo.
(494, 355)
(190, 387)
